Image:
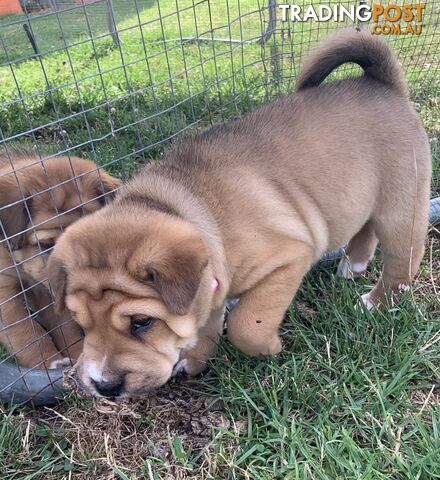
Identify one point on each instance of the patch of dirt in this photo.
(426, 398)
(304, 310)
(164, 428)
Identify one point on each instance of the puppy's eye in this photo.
(140, 324)
(47, 244)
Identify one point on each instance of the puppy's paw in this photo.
(344, 269)
(190, 366)
(367, 301)
(268, 346)
(276, 346)
(60, 363)
(179, 367)
(348, 270)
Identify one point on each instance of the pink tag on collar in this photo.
(214, 285)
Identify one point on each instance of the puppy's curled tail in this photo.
(353, 45)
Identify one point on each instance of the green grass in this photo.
(351, 395)
(337, 402)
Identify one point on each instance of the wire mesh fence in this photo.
(114, 82)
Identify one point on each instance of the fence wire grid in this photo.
(114, 81)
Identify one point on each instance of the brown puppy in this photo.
(245, 209)
(38, 199)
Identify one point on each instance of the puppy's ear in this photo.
(106, 186)
(57, 276)
(176, 272)
(13, 208)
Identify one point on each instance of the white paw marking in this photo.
(179, 367)
(367, 302)
(403, 287)
(346, 268)
(359, 267)
(61, 363)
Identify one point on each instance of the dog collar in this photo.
(214, 285)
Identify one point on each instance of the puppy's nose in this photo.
(109, 389)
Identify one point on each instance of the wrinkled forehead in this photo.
(54, 208)
(106, 297)
(102, 293)
(68, 193)
(94, 282)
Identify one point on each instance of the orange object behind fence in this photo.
(10, 6)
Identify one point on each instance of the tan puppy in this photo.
(37, 201)
(245, 209)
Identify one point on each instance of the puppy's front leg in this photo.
(194, 360)
(20, 333)
(65, 332)
(253, 324)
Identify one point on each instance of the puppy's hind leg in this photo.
(360, 250)
(402, 236)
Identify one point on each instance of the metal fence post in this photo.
(112, 23)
